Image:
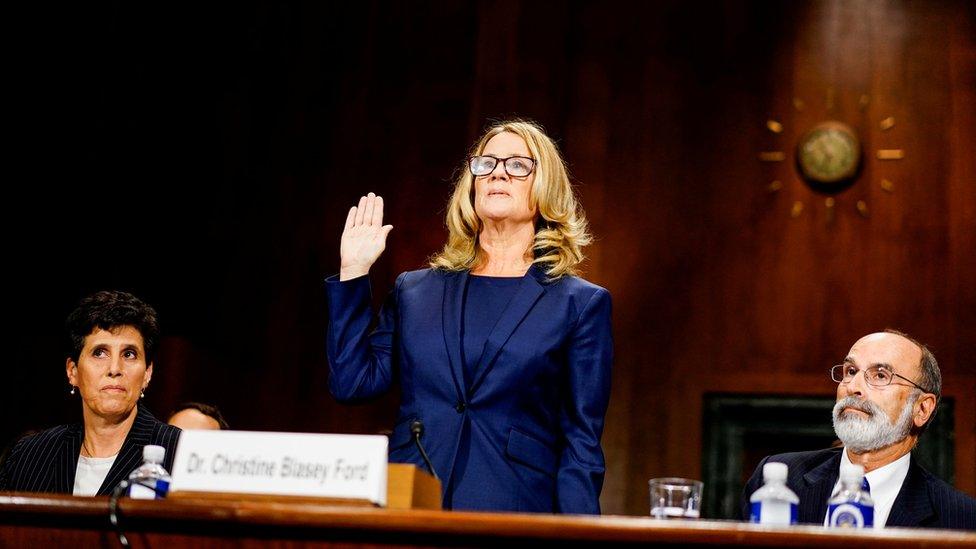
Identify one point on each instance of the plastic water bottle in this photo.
(853, 506)
(774, 502)
(150, 473)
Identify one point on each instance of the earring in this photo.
(72, 389)
(142, 394)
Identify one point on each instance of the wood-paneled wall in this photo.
(204, 157)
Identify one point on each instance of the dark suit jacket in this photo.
(923, 501)
(47, 461)
(526, 430)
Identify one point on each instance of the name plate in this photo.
(290, 464)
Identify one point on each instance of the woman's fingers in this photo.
(369, 211)
(370, 206)
(378, 211)
(361, 210)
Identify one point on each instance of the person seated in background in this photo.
(113, 337)
(888, 389)
(196, 415)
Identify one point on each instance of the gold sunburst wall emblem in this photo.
(827, 158)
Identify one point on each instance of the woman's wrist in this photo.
(349, 273)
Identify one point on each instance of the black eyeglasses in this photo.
(875, 376)
(515, 166)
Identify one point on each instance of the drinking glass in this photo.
(675, 498)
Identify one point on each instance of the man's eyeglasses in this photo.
(875, 376)
(515, 166)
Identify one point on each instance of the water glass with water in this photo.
(675, 498)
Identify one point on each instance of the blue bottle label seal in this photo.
(851, 515)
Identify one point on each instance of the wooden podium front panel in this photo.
(32, 520)
(410, 488)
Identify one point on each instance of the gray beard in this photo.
(865, 434)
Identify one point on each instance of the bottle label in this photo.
(774, 512)
(162, 488)
(139, 491)
(851, 514)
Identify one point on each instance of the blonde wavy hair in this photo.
(561, 228)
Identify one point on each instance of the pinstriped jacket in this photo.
(923, 501)
(47, 461)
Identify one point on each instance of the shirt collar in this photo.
(890, 475)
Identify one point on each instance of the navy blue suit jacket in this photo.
(527, 428)
(924, 500)
(47, 461)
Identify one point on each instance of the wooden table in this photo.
(36, 520)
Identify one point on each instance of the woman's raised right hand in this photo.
(364, 237)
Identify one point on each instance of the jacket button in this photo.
(460, 407)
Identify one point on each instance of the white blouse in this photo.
(91, 473)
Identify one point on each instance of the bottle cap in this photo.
(851, 474)
(775, 471)
(153, 453)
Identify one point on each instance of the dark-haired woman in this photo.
(113, 339)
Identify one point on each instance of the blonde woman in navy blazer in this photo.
(498, 349)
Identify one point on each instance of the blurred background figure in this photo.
(196, 415)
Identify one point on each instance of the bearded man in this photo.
(888, 389)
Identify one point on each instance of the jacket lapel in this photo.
(820, 483)
(528, 293)
(130, 456)
(68, 460)
(912, 505)
(454, 284)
